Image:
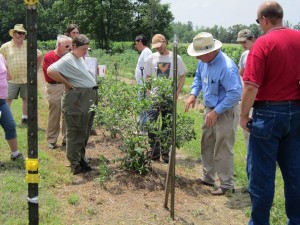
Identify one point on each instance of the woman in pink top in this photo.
(6, 119)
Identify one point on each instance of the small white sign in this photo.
(92, 64)
(102, 70)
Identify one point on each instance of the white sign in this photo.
(92, 64)
(102, 70)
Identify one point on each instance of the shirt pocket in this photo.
(214, 87)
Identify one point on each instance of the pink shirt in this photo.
(3, 78)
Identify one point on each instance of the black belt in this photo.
(266, 103)
(86, 88)
(54, 82)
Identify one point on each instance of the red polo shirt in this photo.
(273, 65)
(49, 58)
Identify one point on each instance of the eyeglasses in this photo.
(20, 33)
(258, 19)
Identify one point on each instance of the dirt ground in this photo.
(132, 199)
(128, 198)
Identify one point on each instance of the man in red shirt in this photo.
(272, 86)
(55, 91)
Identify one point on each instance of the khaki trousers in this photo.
(54, 94)
(217, 147)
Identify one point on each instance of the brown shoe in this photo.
(93, 132)
(222, 191)
(201, 181)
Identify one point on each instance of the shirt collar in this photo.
(216, 59)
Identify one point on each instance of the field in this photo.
(111, 195)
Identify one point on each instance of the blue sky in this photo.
(226, 12)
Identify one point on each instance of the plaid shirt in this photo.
(16, 59)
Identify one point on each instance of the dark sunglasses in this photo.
(258, 19)
(20, 33)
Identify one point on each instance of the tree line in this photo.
(106, 21)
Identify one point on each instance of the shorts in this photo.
(15, 89)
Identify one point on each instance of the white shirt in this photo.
(141, 63)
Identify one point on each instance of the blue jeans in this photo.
(274, 137)
(161, 144)
(7, 121)
(143, 115)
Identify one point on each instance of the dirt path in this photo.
(128, 198)
(132, 199)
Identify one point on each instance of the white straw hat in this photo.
(203, 43)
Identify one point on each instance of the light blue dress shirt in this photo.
(220, 83)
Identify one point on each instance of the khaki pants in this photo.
(79, 120)
(217, 147)
(54, 94)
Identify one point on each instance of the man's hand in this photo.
(189, 101)
(211, 118)
(243, 122)
(69, 86)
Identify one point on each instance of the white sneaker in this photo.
(52, 145)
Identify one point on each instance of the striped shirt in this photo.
(16, 59)
(220, 83)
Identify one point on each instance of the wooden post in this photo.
(170, 182)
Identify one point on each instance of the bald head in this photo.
(271, 10)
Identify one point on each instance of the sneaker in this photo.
(165, 158)
(24, 121)
(93, 132)
(52, 145)
(140, 133)
(19, 156)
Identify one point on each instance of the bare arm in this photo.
(180, 84)
(191, 100)
(241, 71)
(39, 61)
(8, 74)
(248, 98)
(58, 77)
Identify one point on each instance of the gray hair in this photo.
(80, 40)
(61, 38)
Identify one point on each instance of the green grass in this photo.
(14, 189)
(13, 204)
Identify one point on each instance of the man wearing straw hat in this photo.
(218, 78)
(15, 54)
